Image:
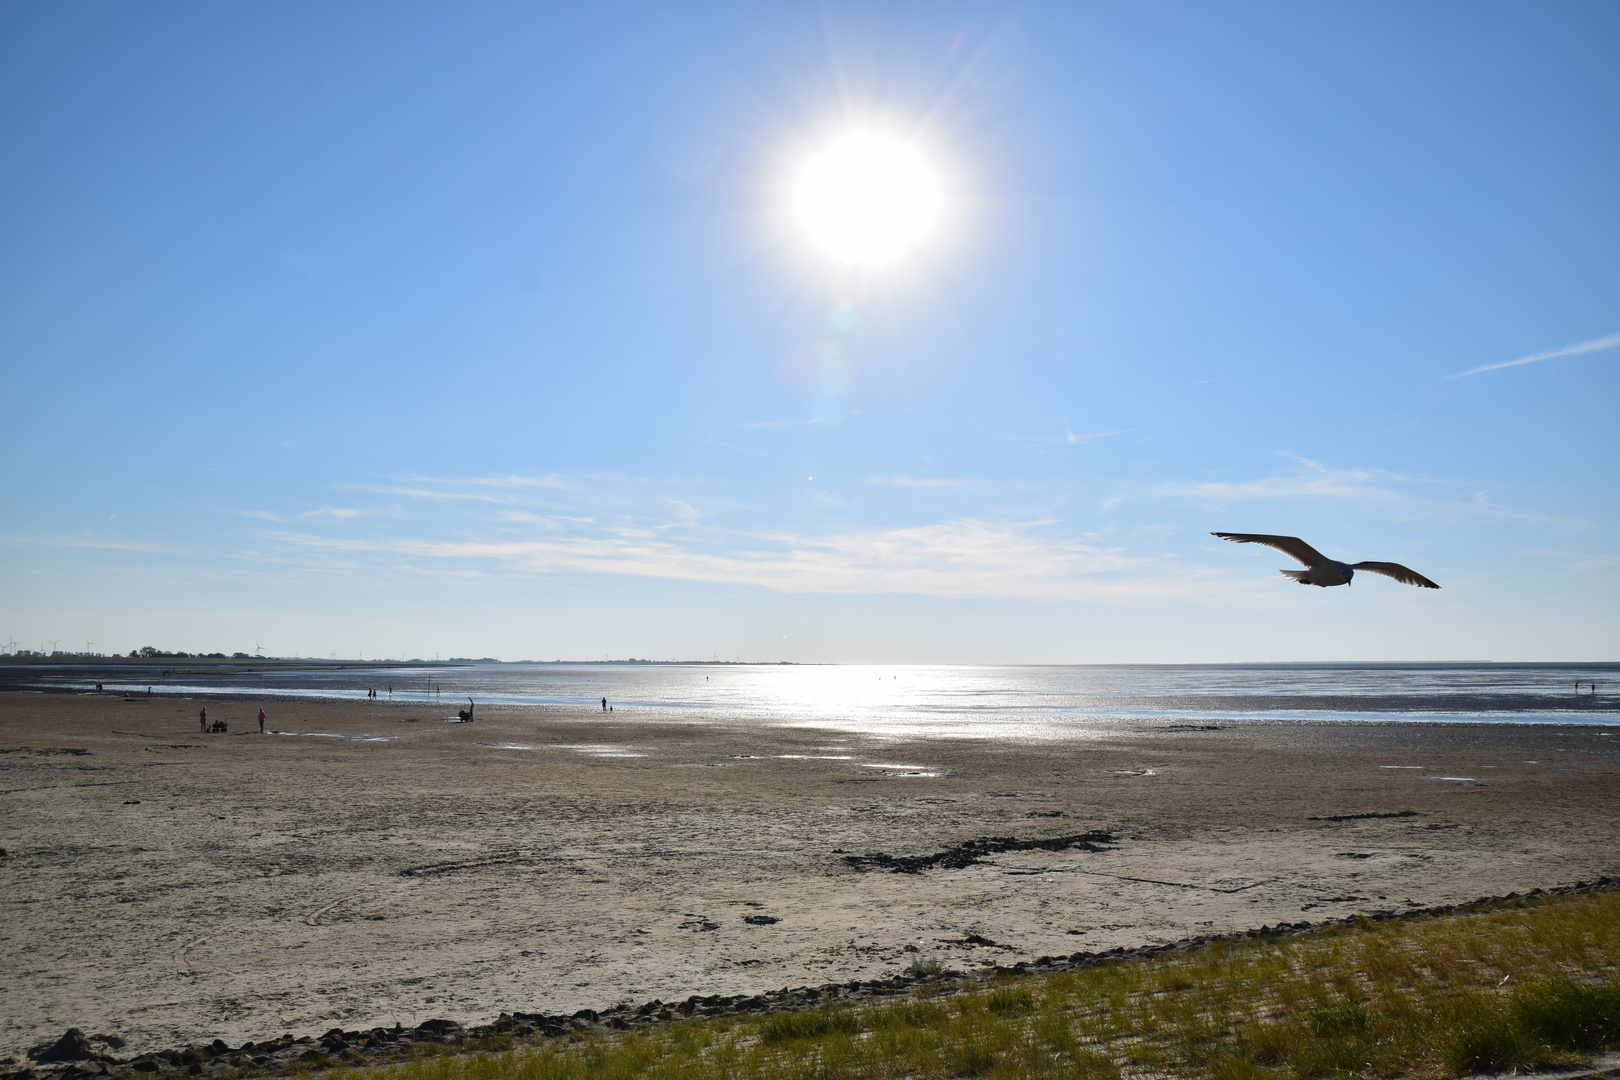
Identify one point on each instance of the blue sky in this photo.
(476, 329)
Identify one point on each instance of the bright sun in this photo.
(867, 199)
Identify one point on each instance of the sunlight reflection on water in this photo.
(1017, 703)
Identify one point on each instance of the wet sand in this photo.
(377, 864)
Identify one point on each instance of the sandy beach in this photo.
(372, 863)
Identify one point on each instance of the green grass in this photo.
(1515, 985)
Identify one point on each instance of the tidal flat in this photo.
(367, 864)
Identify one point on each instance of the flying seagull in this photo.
(1321, 570)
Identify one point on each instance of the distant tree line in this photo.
(151, 652)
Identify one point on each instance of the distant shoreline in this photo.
(313, 663)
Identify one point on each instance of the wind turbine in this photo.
(53, 644)
(87, 644)
(258, 650)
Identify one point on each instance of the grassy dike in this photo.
(1513, 984)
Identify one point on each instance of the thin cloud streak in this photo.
(1338, 483)
(96, 543)
(1366, 486)
(1595, 345)
(1048, 442)
(959, 559)
(901, 480)
(1091, 436)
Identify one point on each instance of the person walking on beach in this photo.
(604, 704)
(261, 721)
(202, 721)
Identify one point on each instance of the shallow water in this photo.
(1024, 703)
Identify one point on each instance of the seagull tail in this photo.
(1297, 575)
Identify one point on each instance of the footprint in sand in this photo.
(180, 963)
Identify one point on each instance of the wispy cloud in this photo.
(1595, 345)
(513, 481)
(1313, 481)
(420, 492)
(1091, 436)
(1409, 496)
(1576, 562)
(1044, 443)
(924, 482)
(698, 530)
(962, 558)
(624, 525)
(340, 512)
(94, 542)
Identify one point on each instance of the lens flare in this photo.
(867, 199)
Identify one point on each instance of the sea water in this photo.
(1019, 702)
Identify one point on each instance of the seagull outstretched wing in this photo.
(1293, 547)
(1402, 574)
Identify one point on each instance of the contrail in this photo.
(1568, 350)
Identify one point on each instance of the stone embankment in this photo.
(75, 1055)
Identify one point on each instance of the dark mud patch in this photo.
(976, 941)
(1366, 817)
(974, 851)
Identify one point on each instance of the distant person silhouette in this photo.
(261, 721)
(604, 704)
(202, 721)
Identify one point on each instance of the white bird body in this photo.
(1321, 570)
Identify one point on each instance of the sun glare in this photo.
(867, 199)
